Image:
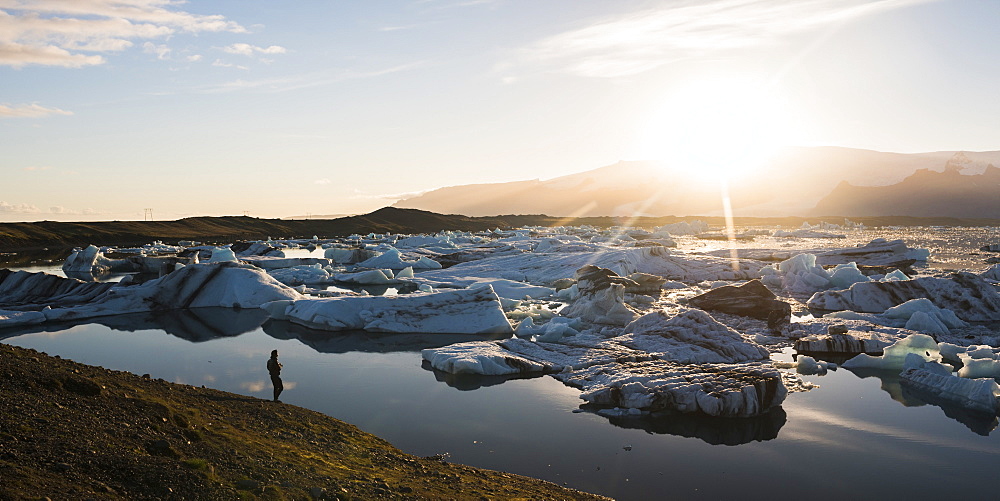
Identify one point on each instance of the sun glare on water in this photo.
(716, 130)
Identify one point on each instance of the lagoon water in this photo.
(847, 438)
(862, 437)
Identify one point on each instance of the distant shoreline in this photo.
(19, 237)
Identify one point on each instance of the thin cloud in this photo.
(646, 40)
(6, 208)
(30, 111)
(59, 32)
(245, 49)
(37, 169)
(302, 81)
(322, 181)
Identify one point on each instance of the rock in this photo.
(81, 386)
(591, 279)
(161, 448)
(837, 329)
(247, 485)
(752, 299)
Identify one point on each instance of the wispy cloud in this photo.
(37, 169)
(68, 33)
(6, 208)
(246, 49)
(648, 39)
(322, 181)
(29, 111)
(304, 81)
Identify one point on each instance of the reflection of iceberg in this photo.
(712, 430)
(979, 422)
(467, 382)
(371, 342)
(196, 324)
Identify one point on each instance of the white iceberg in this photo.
(691, 336)
(456, 312)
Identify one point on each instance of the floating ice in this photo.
(222, 254)
(878, 252)
(691, 336)
(224, 284)
(480, 358)
(976, 394)
(970, 297)
(392, 259)
(298, 275)
(716, 390)
(368, 277)
(894, 356)
(15, 318)
(457, 312)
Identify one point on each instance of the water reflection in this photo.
(363, 341)
(468, 382)
(981, 423)
(195, 324)
(711, 430)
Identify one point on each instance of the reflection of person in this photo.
(274, 367)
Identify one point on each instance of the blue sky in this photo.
(277, 108)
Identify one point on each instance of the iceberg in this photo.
(547, 268)
(26, 290)
(392, 259)
(895, 356)
(475, 311)
(743, 390)
(971, 298)
(878, 252)
(691, 336)
(601, 297)
(224, 284)
(975, 394)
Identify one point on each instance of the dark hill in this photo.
(925, 193)
(59, 235)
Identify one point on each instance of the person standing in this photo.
(274, 368)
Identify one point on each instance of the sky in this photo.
(129, 109)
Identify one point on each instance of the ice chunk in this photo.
(477, 357)
(894, 356)
(392, 259)
(968, 296)
(298, 275)
(691, 336)
(224, 284)
(716, 390)
(15, 318)
(369, 277)
(976, 394)
(457, 312)
(846, 274)
(222, 254)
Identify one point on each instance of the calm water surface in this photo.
(847, 438)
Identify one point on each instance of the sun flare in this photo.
(721, 129)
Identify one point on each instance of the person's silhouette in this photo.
(274, 368)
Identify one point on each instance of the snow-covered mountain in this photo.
(790, 184)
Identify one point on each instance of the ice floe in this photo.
(967, 295)
(476, 311)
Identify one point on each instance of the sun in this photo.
(719, 129)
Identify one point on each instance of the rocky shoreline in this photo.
(72, 431)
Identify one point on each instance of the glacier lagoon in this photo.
(865, 437)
